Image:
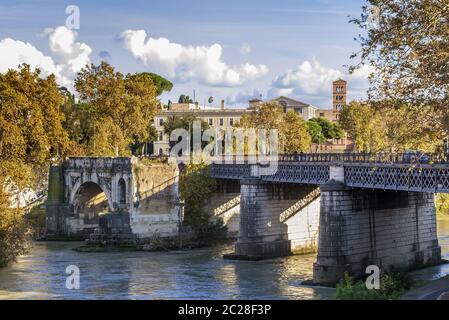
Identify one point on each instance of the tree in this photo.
(364, 125)
(292, 129)
(159, 82)
(31, 135)
(315, 131)
(296, 135)
(329, 129)
(387, 126)
(184, 99)
(129, 102)
(406, 44)
(186, 123)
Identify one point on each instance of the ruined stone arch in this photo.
(89, 201)
(81, 182)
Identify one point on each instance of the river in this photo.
(189, 274)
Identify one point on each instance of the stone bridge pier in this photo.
(276, 219)
(373, 227)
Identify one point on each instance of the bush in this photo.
(393, 284)
(14, 235)
(212, 232)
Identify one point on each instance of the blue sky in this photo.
(291, 47)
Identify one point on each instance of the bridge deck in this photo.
(359, 171)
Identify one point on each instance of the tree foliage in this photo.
(184, 99)
(390, 127)
(196, 187)
(159, 82)
(129, 102)
(292, 129)
(327, 129)
(406, 43)
(31, 135)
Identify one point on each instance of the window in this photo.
(161, 122)
(321, 114)
(161, 136)
(299, 110)
(211, 121)
(231, 122)
(221, 121)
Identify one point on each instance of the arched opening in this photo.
(90, 202)
(121, 191)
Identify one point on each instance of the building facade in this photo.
(222, 118)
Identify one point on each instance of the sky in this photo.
(231, 50)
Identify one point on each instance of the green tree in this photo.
(316, 132)
(159, 82)
(329, 129)
(196, 188)
(184, 99)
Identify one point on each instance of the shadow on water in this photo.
(193, 274)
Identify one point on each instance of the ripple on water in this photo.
(184, 274)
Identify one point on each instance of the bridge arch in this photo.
(89, 200)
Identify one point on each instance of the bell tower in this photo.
(339, 88)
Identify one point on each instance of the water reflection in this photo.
(195, 274)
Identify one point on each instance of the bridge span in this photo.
(373, 209)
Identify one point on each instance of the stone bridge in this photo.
(113, 195)
(372, 209)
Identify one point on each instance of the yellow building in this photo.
(222, 118)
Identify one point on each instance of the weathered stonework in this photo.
(124, 195)
(263, 234)
(365, 227)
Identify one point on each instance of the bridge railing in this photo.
(411, 158)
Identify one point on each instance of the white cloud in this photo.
(242, 98)
(182, 63)
(69, 56)
(245, 48)
(311, 82)
(15, 52)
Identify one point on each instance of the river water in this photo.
(189, 274)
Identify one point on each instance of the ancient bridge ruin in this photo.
(122, 195)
